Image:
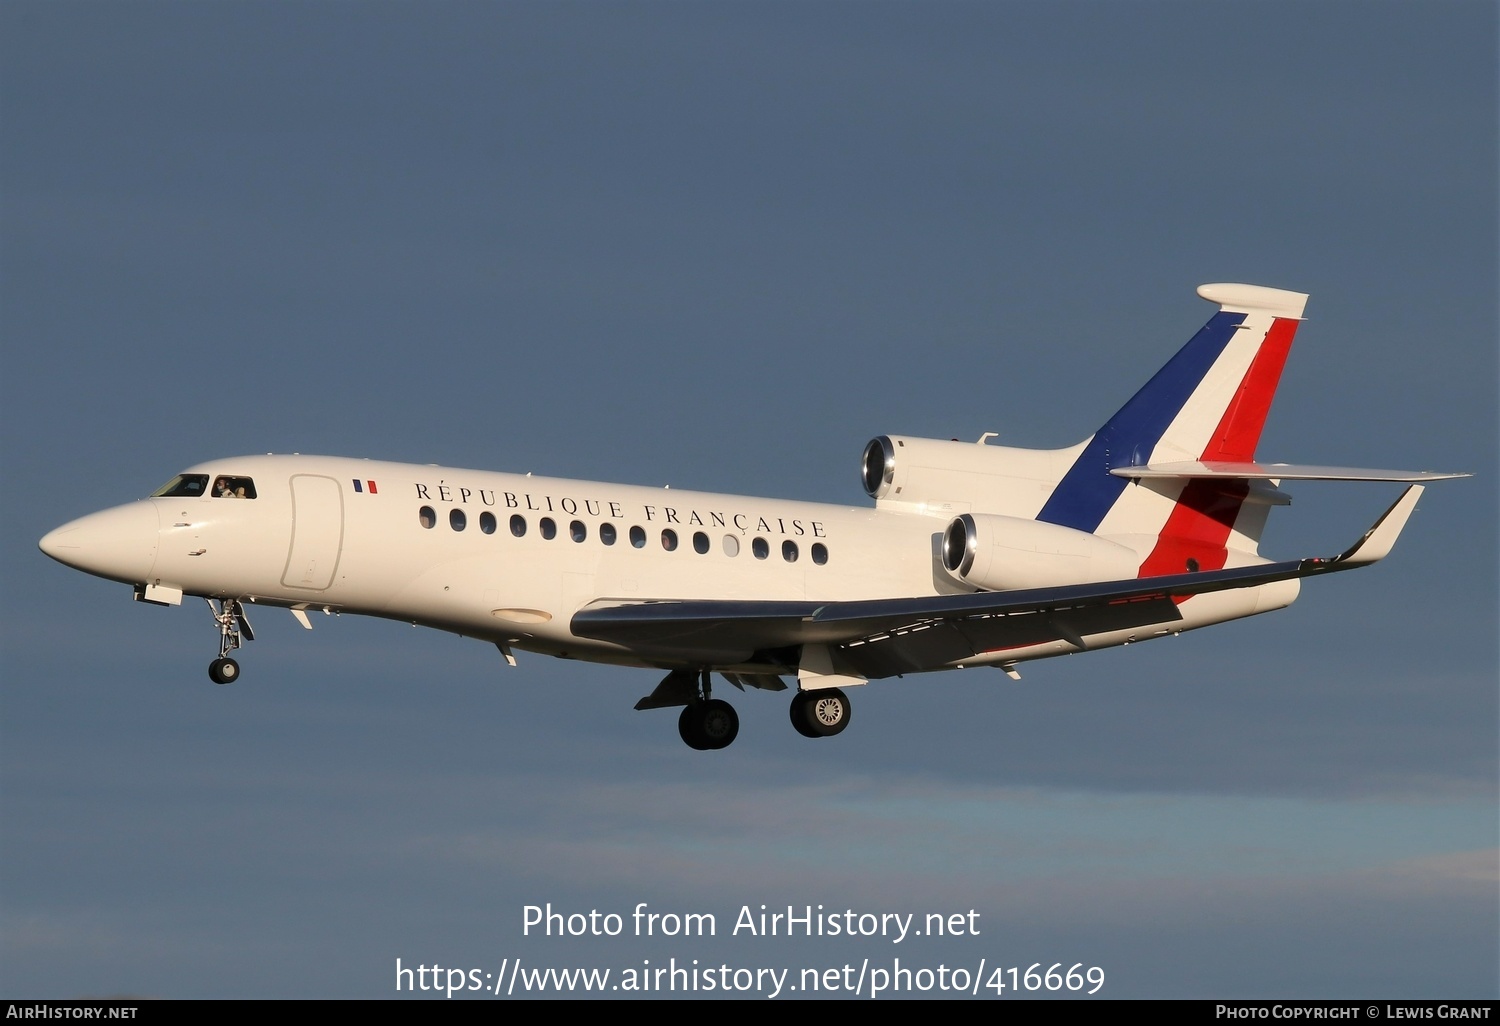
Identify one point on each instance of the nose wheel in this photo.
(234, 630)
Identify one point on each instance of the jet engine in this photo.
(938, 476)
(999, 553)
(893, 464)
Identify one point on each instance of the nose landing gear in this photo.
(234, 630)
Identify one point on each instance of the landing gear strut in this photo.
(707, 723)
(234, 630)
(821, 713)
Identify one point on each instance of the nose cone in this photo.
(118, 543)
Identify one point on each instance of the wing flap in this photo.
(944, 642)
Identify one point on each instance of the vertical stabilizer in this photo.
(1208, 403)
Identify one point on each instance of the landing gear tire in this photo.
(708, 726)
(801, 718)
(224, 671)
(719, 723)
(821, 713)
(687, 727)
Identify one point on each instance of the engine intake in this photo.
(878, 467)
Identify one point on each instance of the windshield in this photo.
(183, 484)
(196, 485)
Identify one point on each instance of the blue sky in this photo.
(720, 246)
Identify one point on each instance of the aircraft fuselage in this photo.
(510, 558)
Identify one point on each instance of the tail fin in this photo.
(1208, 403)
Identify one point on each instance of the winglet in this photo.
(1381, 538)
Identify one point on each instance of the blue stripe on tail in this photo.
(1087, 491)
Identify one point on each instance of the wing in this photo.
(884, 637)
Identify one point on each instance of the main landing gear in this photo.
(821, 713)
(706, 723)
(234, 630)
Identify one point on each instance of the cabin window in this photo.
(518, 525)
(457, 520)
(731, 545)
(487, 522)
(819, 553)
(789, 551)
(701, 543)
(226, 487)
(427, 517)
(577, 531)
(607, 533)
(669, 539)
(638, 537)
(760, 548)
(548, 528)
(183, 486)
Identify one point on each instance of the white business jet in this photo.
(973, 555)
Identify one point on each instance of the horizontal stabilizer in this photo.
(1275, 472)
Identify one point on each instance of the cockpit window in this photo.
(194, 485)
(233, 487)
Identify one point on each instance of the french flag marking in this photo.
(1196, 532)
(1087, 491)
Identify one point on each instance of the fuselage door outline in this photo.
(317, 532)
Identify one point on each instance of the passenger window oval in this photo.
(518, 525)
(548, 528)
(701, 543)
(819, 553)
(760, 548)
(427, 516)
(607, 533)
(487, 522)
(789, 551)
(669, 539)
(731, 545)
(577, 531)
(457, 520)
(638, 537)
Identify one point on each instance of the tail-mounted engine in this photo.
(999, 553)
(935, 475)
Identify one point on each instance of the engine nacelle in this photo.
(935, 476)
(999, 553)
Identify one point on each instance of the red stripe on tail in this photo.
(1198, 528)
(1239, 429)
(1195, 535)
